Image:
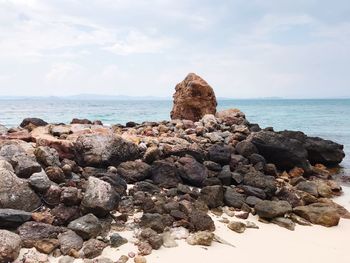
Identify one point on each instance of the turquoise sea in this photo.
(326, 118)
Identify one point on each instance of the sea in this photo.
(326, 118)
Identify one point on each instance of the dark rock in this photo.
(225, 176)
(70, 241)
(31, 232)
(237, 178)
(52, 195)
(284, 152)
(271, 209)
(213, 196)
(233, 198)
(259, 180)
(290, 196)
(193, 99)
(191, 171)
(99, 150)
(151, 236)
(11, 218)
(55, 174)
(146, 187)
(80, 121)
(10, 246)
(117, 240)
(15, 193)
(100, 198)
(154, 221)
(319, 213)
(201, 221)
(253, 191)
(47, 156)
(34, 122)
(164, 173)
(213, 166)
(65, 214)
(118, 184)
(252, 200)
(256, 158)
(246, 148)
(87, 226)
(237, 159)
(220, 154)
(134, 171)
(92, 248)
(238, 227)
(212, 181)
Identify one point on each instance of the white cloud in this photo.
(62, 71)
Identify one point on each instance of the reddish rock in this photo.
(193, 99)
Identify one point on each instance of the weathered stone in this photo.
(233, 198)
(100, 150)
(100, 198)
(238, 227)
(319, 213)
(151, 236)
(164, 173)
(92, 248)
(55, 174)
(201, 221)
(47, 156)
(117, 240)
(193, 99)
(64, 214)
(46, 246)
(87, 226)
(31, 232)
(134, 171)
(32, 122)
(259, 180)
(284, 222)
(191, 171)
(153, 221)
(10, 246)
(201, 238)
(213, 196)
(271, 209)
(246, 148)
(40, 182)
(220, 154)
(308, 187)
(15, 193)
(68, 241)
(70, 196)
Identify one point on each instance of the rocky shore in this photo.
(71, 190)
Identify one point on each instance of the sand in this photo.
(270, 243)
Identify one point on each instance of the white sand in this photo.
(270, 243)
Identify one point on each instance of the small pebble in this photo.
(140, 259)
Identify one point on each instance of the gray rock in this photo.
(154, 221)
(15, 193)
(117, 240)
(233, 198)
(70, 241)
(308, 187)
(246, 148)
(47, 156)
(92, 248)
(40, 182)
(11, 218)
(87, 226)
(100, 198)
(165, 174)
(253, 191)
(237, 227)
(99, 150)
(271, 209)
(259, 180)
(284, 222)
(220, 154)
(10, 246)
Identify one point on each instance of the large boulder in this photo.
(319, 213)
(191, 171)
(286, 153)
(100, 198)
(15, 193)
(10, 246)
(318, 150)
(193, 99)
(100, 150)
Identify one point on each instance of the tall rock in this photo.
(193, 99)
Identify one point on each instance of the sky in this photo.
(243, 49)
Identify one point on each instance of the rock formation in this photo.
(193, 99)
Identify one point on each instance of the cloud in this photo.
(62, 71)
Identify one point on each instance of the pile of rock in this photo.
(63, 187)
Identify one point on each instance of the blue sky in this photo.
(244, 49)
